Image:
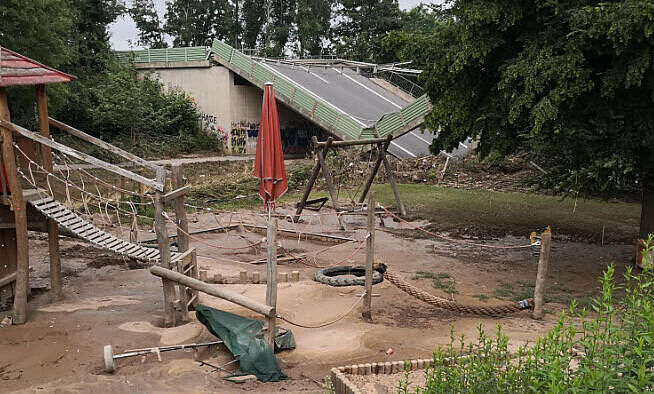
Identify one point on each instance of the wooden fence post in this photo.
(370, 256)
(164, 250)
(53, 229)
(20, 216)
(543, 265)
(271, 282)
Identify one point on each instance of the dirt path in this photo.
(109, 300)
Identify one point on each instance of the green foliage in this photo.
(254, 17)
(139, 112)
(362, 26)
(148, 23)
(611, 349)
(571, 82)
(278, 30)
(39, 30)
(441, 280)
(198, 22)
(313, 26)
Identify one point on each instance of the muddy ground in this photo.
(111, 300)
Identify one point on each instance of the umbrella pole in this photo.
(271, 282)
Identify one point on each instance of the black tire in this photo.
(330, 276)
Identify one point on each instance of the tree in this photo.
(198, 22)
(147, 21)
(572, 82)
(362, 26)
(254, 17)
(39, 30)
(278, 30)
(313, 21)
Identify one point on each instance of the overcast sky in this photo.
(123, 31)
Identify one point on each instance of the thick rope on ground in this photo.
(454, 306)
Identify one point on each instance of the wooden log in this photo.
(96, 141)
(271, 282)
(541, 276)
(370, 256)
(321, 153)
(180, 208)
(20, 215)
(83, 156)
(215, 291)
(53, 229)
(179, 191)
(164, 251)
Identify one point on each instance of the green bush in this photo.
(609, 350)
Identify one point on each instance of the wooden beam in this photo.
(391, 178)
(373, 173)
(105, 145)
(178, 192)
(328, 177)
(82, 156)
(164, 252)
(212, 290)
(307, 189)
(541, 276)
(7, 280)
(370, 257)
(20, 214)
(53, 229)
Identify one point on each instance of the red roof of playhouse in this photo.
(16, 69)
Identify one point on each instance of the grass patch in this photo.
(485, 213)
(481, 297)
(441, 280)
(524, 290)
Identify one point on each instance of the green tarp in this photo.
(244, 338)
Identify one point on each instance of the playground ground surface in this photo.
(109, 300)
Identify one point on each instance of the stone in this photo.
(242, 379)
(256, 277)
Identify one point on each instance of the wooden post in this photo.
(322, 153)
(180, 209)
(391, 178)
(370, 257)
(307, 190)
(53, 229)
(543, 265)
(371, 178)
(271, 282)
(20, 216)
(164, 250)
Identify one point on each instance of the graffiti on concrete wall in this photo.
(295, 140)
(240, 139)
(210, 124)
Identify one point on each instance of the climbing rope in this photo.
(451, 305)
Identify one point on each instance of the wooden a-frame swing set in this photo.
(322, 148)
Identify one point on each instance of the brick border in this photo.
(343, 385)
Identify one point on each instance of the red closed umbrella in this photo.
(269, 159)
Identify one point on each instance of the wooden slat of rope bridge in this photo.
(75, 224)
